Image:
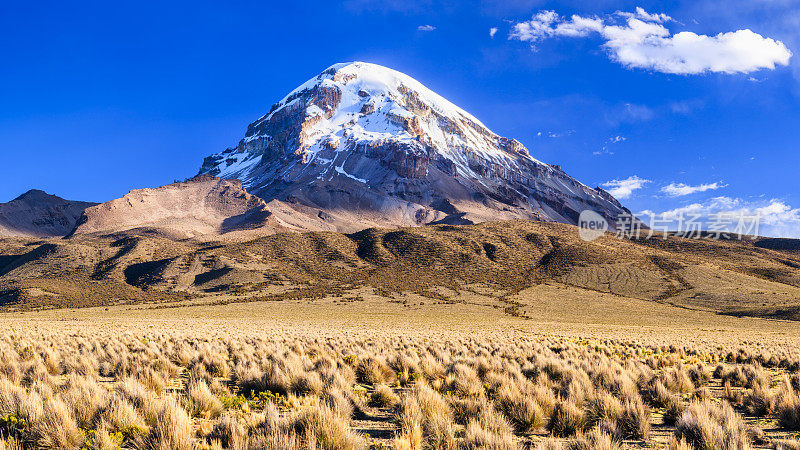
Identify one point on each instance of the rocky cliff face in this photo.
(39, 214)
(369, 146)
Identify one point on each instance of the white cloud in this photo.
(622, 189)
(642, 41)
(555, 135)
(713, 205)
(773, 217)
(778, 18)
(630, 112)
(426, 28)
(685, 107)
(640, 13)
(681, 189)
(492, 32)
(612, 140)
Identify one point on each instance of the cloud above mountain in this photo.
(624, 188)
(681, 189)
(642, 40)
(774, 217)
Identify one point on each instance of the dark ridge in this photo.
(780, 244)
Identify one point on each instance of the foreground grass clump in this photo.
(347, 392)
(788, 408)
(706, 425)
(567, 419)
(383, 397)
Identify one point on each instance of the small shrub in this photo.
(594, 440)
(134, 392)
(522, 410)
(478, 438)
(673, 411)
(171, 426)
(439, 433)
(102, 439)
(567, 419)
(466, 409)
(464, 382)
(677, 380)
(699, 375)
(603, 406)
(56, 428)
(657, 394)
(736, 377)
(788, 409)
(634, 423)
(85, 397)
(307, 384)
(340, 402)
(275, 378)
(408, 416)
(200, 402)
(383, 397)
(733, 396)
(701, 394)
(679, 444)
(229, 432)
(787, 444)
(371, 370)
(121, 417)
(327, 429)
(708, 426)
(759, 402)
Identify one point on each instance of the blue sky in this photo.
(97, 98)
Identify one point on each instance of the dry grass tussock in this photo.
(342, 391)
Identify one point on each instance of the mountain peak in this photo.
(370, 79)
(366, 143)
(36, 195)
(358, 103)
(39, 214)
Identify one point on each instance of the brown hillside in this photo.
(37, 214)
(499, 259)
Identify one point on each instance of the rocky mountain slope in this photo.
(39, 214)
(362, 145)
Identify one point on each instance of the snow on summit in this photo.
(375, 104)
(363, 136)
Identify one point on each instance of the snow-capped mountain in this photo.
(363, 145)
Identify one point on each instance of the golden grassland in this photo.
(572, 369)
